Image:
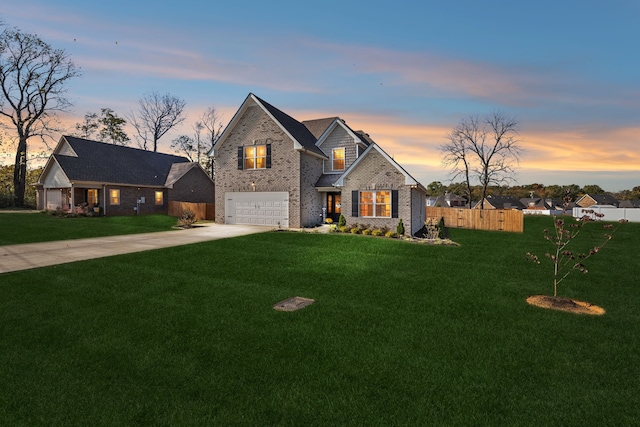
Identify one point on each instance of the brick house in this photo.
(116, 180)
(274, 170)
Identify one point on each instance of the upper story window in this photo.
(338, 159)
(254, 157)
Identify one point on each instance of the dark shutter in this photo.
(355, 203)
(394, 203)
(268, 156)
(240, 158)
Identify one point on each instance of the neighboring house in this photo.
(539, 203)
(118, 180)
(596, 199)
(274, 170)
(629, 204)
(500, 202)
(447, 200)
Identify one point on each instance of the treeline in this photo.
(573, 191)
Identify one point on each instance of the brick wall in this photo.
(374, 172)
(284, 174)
(337, 139)
(128, 200)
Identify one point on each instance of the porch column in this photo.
(73, 199)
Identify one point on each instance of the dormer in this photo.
(341, 145)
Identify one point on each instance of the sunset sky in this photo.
(406, 72)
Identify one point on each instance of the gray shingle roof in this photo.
(101, 162)
(294, 127)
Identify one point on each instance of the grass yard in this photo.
(18, 228)
(400, 334)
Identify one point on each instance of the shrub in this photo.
(442, 232)
(400, 228)
(342, 228)
(328, 221)
(389, 233)
(355, 230)
(366, 231)
(342, 221)
(187, 219)
(377, 232)
(333, 228)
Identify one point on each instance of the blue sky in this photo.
(405, 72)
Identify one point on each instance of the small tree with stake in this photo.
(565, 260)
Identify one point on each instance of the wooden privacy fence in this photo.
(480, 219)
(202, 210)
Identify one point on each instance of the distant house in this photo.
(629, 204)
(597, 199)
(500, 202)
(116, 180)
(539, 203)
(448, 200)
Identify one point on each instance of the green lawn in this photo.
(401, 334)
(18, 228)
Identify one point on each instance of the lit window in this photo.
(159, 199)
(92, 196)
(338, 159)
(114, 197)
(255, 157)
(375, 204)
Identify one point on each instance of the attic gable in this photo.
(338, 122)
(303, 139)
(409, 180)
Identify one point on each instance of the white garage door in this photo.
(257, 208)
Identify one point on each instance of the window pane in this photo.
(249, 163)
(383, 197)
(338, 158)
(383, 211)
(92, 196)
(114, 197)
(249, 152)
(158, 197)
(366, 203)
(261, 163)
(262, 150)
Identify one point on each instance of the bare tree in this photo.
(196, 148)
(485, 149)
(32, 80)
(157, 114)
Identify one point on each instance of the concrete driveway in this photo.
(34, 255)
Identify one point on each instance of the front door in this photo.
(334, 206)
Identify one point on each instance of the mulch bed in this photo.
(565, 304)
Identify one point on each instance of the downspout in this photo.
(104, 198)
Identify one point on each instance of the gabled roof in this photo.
(359, 137)
(600, 199)
(85, 160)
(629, 203)
(301, 136)
(318, 126)
(499, 202)
(178, 170)
(409, 180)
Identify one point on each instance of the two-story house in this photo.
(274, 170)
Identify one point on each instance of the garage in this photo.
(257, 208)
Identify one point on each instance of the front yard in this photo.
(400, 334)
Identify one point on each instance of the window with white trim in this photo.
(375, 204)
(338, 159)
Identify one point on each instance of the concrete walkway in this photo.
(34, 255)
